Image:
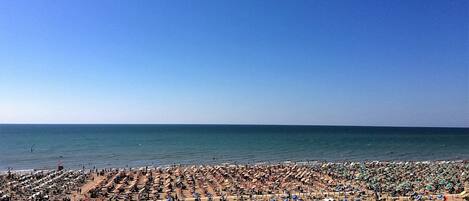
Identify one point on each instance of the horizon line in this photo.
(240, 124)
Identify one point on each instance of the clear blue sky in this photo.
(270, 62)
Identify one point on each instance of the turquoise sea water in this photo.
(43, 146)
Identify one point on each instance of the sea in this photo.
(26, 147)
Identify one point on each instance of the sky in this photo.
(316, 62)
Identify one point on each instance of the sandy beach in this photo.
(442, 180)
(240, 100)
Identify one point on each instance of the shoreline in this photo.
(310, 162)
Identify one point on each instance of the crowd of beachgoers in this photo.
(438, 180)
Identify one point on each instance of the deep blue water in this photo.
(139, 145)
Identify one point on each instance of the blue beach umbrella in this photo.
(419, 197)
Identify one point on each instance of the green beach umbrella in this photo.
(449, 185)
(429, 187)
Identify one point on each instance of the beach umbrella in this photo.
(429, 187)
(295, 197)
(442, 182)
(449, 186)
